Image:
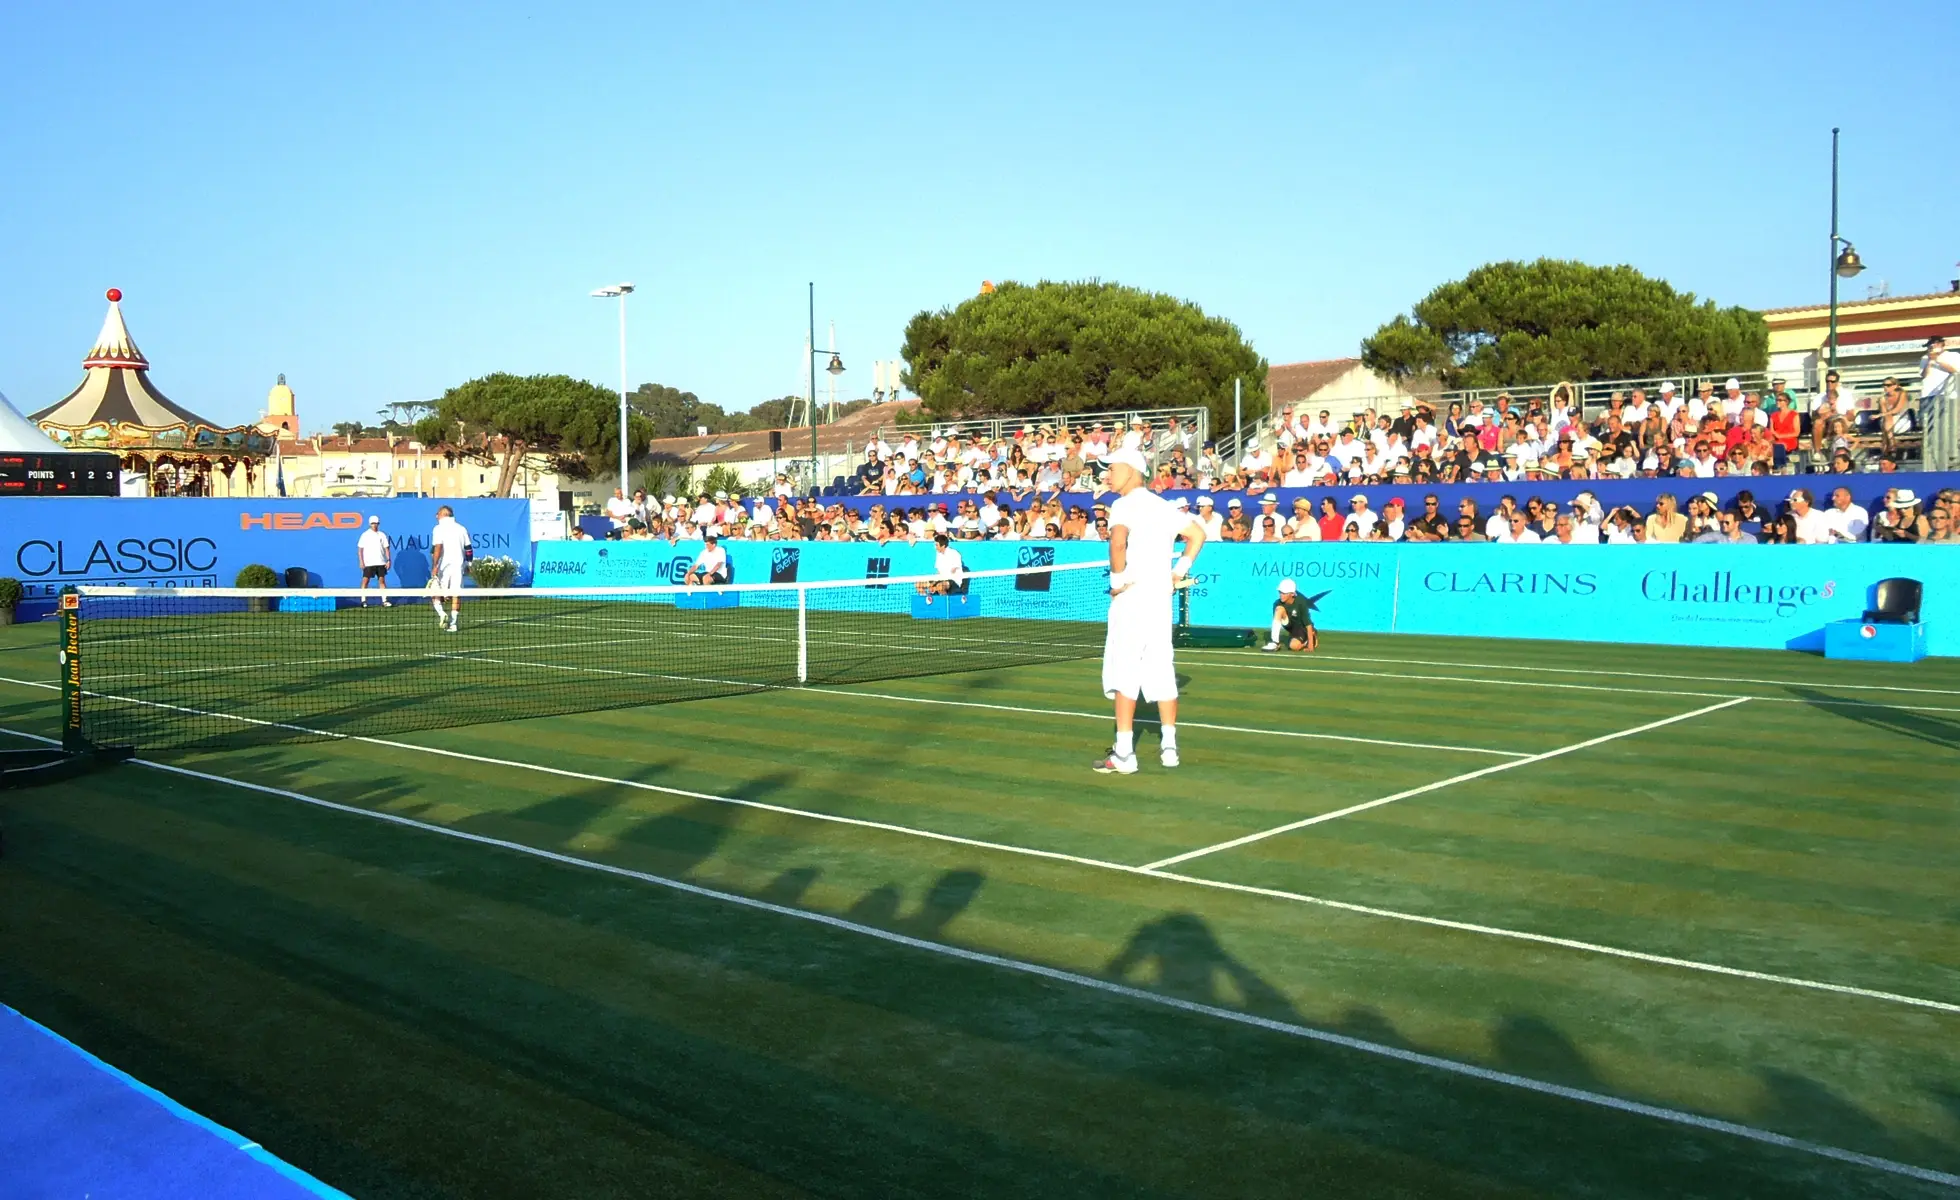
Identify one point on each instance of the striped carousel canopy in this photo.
(117, 407)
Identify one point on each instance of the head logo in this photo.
(783, 564)
(289, 522)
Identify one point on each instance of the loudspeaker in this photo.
(775, 441)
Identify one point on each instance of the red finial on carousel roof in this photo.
(114, 294)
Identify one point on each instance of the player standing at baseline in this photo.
(1143, 532)
(449, 545)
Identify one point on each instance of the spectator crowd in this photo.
(1799, 518)
(1014, 487)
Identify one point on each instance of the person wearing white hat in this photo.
(1292, 621)
(1209, 518)
(376, 556)
(1144, 529)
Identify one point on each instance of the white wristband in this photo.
(1119, 579)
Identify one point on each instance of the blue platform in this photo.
(945, 608)
(707, 599)
(75, 1126)
(1867, 641)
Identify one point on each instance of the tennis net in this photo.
(170, 667)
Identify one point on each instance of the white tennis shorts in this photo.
(449, 577)
(1137, 651)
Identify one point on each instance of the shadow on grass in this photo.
(827, 1107)
(1932, 728)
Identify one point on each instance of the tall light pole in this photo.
(836, 367)
(1845, 263)
(621, 290)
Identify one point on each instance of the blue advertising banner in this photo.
(1769, 597)
(1778, 597)
(1348, 585)
(49, 543)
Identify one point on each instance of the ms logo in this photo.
(783, 563)
(674, 569)
(1034, 556)
(878, 568)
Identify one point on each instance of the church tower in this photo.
(281, 414)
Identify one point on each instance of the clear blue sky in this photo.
(381, 204)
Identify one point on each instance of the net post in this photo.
(69, 643)
(802, 635)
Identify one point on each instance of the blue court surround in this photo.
(76, 1126)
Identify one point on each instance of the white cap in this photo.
(1287, 587)
(1204, 502)
(1667, 387)
(1130, 457)
(1180, 502)
(1733, 384)
(374, 520)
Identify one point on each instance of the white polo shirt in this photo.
(374, 548)
(1847, 525)
(454, 540)
(1814, 528)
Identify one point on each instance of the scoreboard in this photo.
(59, 474)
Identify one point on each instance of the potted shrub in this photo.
(10, 594)
(257, 575)
(494, 572)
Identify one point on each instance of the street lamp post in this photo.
(1844, 263)
(620, 290)
(836, 367)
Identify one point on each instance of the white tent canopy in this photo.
(18, 435)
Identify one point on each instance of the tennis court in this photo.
(1416, 917)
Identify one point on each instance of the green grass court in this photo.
(895, 939)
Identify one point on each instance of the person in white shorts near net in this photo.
(449, 545)
(1143, 532)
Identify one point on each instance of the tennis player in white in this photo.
(1143, 532)
(449, 545)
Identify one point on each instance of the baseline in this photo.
(1463, 666)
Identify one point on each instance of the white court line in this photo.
(1124, 868)
(1571, 687)
(1463, 666)
(1250, 838)
(1415, 1058)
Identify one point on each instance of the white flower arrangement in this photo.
(494, 571)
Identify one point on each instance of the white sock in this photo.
(1170, 736)
(1277, 628)
(1124, 744)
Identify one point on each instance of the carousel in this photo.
(173, 450)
